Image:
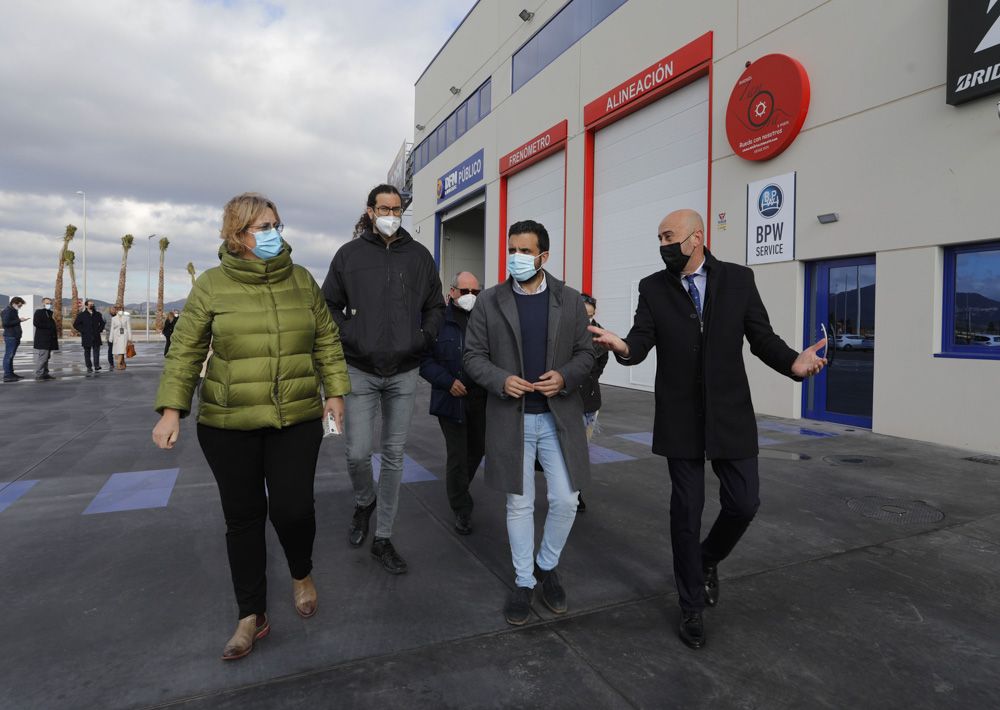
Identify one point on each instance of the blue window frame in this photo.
(470, 112)
(971, 322)
(562, 31)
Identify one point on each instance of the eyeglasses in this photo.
(267, 227)
(383, 211)
(590, 301)
(466, 291)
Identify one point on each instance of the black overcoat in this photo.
(89, 325)
(703, 405)
(46, 337)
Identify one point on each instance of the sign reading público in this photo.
(973, 49)
(466, 173)
(771, 220)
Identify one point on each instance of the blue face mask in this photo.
(521, 266)
(268, 244)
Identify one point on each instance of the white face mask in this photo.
(387, 225)
(466, 302)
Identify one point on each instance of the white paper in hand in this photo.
(330, 426)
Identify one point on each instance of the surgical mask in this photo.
(521, 266)
(268, 244)
(674, 259)
(466, 302)
(48, 306)
(387, 225)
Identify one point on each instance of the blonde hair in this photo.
(239, 214)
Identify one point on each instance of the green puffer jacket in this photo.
(273, 340)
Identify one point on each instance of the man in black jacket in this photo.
(11, 337)
(89, 323)
(384, 293)
(457, 401)
(46, 339)
(696, 314)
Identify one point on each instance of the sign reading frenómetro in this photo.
(973, 49)
(767, 107)
(771, 220)
(466, 173)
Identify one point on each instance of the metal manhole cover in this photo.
(857, 460)
(895, 510)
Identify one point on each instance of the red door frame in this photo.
(688, 64)
(542, 146)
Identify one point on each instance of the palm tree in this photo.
(126, 245)
(164, 243)
(70, 259)
(57, 297)
(190, 270)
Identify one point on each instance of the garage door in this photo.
(647, 164)
(537, 193)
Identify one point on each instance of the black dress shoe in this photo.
(711, 585)
(46, 376)
(581, 507)
(18, 377)
(518, 607)
(383, 550)
(692, 629)
(10, 379)
(553, 594)
(463, 523)
(359, 524)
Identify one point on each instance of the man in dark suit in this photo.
(46, 339)
(89, 323)
(696, 314)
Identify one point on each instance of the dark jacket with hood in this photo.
(387, 301)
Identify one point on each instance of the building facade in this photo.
(598, 117)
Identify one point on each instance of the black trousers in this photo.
(242, 462)
(739, 488)
(92, 354)
(111, 356)
(465, 444)
(166, 348)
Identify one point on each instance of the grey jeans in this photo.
(395, 396)
(42, 362)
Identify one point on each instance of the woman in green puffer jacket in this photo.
(277, 370)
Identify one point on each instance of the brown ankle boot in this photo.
(304, 596)
(249, 629)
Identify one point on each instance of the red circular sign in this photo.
(767, 107)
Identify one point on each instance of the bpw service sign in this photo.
(771, 220)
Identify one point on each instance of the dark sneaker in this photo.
(581, 507)
(90, 369)
(463, 523)
(10, 379)
(359, 524)
(383, 550)
(553, 595)
(711, 585)
(518, 607)
(692, 629)
(46, 376)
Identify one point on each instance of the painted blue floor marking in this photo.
(643, 437)
(599, 454)
(134, 490)
(412, 471)
(10, 492)
(766, 441)
(793, 429)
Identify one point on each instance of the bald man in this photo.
(696, 313)
(457, 401)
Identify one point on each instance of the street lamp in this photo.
(81, 192)
(150, 237)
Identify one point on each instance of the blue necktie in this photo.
(695, 296)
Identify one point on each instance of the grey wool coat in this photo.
(493, 352)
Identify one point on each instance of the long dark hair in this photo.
(365, 223)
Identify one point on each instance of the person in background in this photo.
(112, 311)
(121, 336)
(11, 336)
(168, 330)
(590, 390)
(46, 339)
(89, 323)
(457, 401)
(279, 371)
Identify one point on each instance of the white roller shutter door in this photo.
(538, 193)
(646, 165)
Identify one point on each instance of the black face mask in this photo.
(674, 259)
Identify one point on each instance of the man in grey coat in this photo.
(528, 346)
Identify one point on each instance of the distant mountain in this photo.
(974, 300)
(133, 308)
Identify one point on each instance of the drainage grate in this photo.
(895, 510)
(857, 460)
(991, 460)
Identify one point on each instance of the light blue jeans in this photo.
(540, 438)
(395, 396)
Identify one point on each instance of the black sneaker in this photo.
(553, 595)
(463, 523)
(10, 379)
(359, 524)
(518, 607)
(391, 561)
(46, 376)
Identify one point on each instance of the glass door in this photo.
(840, 298)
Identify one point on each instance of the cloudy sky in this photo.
(162, 110)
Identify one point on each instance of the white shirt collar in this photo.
(521, 292)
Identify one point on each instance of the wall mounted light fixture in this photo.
(455, 90)
(420, 127)
(525, 15)
(828, 218)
